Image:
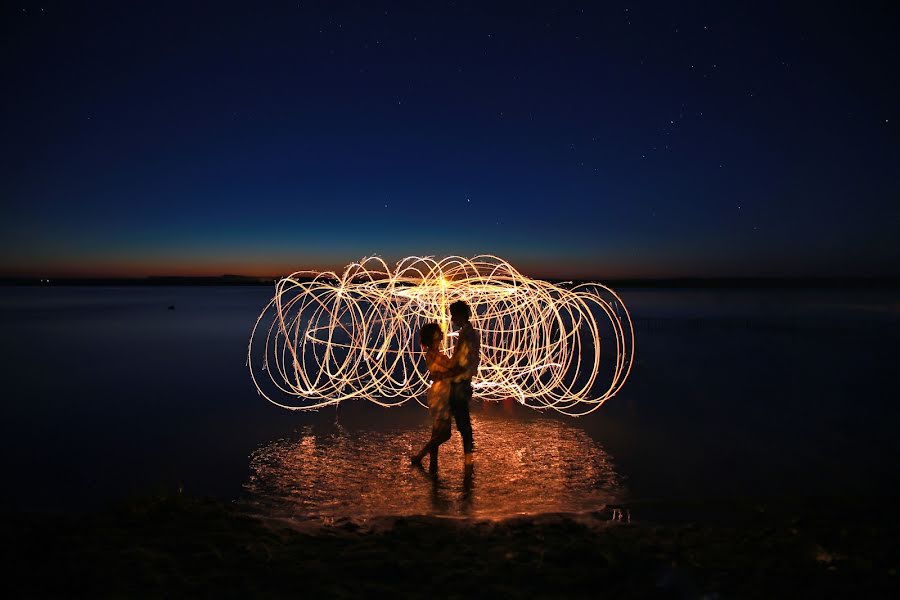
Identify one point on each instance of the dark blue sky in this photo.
(572, 138)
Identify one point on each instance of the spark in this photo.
(330, 338)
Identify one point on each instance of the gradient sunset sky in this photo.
(575, 139)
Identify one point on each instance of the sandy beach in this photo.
(178, 546)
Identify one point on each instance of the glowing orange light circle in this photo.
(355, 335)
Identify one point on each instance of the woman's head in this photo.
(429, 334)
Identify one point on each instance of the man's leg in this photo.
(460, 396)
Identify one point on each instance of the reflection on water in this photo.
(523, 466)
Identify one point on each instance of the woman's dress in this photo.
(439, 392)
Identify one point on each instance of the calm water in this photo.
(765, 392)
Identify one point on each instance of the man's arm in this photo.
(448, 374)
(455, 368)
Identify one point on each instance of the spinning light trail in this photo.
(330, 337)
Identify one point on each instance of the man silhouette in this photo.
(465, 360)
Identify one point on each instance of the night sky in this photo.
(575, 139)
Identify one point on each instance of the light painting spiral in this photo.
(325, 338)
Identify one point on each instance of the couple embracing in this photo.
(451, 388)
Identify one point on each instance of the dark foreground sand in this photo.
(177, 546)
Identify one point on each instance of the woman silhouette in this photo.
(438, 365)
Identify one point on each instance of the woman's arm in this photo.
(438, 365)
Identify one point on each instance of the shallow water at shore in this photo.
(524, 466)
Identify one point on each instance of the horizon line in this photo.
(697, 280)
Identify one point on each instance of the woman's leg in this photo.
(440, 433)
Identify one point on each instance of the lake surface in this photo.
(733, 392)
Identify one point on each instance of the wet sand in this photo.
(178, 546)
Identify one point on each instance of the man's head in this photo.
(460, 312)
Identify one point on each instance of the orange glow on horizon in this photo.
(273, 269)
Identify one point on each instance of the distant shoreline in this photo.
(659, 283)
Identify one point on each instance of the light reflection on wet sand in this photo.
(523, 466)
